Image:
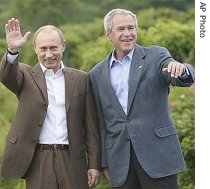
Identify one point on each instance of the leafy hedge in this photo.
(182, 101)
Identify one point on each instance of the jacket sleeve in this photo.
(10, 74)
(164, 58)
(101, 120)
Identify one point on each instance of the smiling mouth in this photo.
(127, 40)
(50, 61)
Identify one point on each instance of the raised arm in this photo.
(15, 40)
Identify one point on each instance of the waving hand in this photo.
(15, 40)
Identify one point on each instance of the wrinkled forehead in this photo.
(122, 20)
(48, 39)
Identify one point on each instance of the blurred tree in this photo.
(35, 13)
(178, 38)
(77, 36)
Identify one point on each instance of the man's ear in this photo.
(35, 48)
(64, 46)
(108, 36)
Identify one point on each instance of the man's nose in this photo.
(49, 53)
(126, 32)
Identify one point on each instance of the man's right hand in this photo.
(105, 173)
(15, 40)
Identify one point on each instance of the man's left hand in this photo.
(93, 177)
(176, 69)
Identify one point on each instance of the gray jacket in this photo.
(148, 124)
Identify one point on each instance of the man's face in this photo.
(123, 35)
(49, 49)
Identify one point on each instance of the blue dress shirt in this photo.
(119, 77)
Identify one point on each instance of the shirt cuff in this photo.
(186, 74)
(11, 58)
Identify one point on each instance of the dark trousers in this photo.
(50, 169)
(139, 179)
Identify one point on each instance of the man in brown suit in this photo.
(54, 141)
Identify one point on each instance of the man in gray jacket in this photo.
(140, 146)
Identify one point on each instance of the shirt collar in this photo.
(113, 59)
(44, 69)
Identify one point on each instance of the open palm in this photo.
(15, 40)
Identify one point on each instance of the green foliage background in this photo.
(161, 22)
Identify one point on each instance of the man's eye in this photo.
(54, 48)
(43, 49)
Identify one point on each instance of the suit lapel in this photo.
(69, 76)
(38, 76)
(136, 69)
(106, 83)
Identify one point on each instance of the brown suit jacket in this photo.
(28, 83)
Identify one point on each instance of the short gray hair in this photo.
(109, 16)
(46, 28)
